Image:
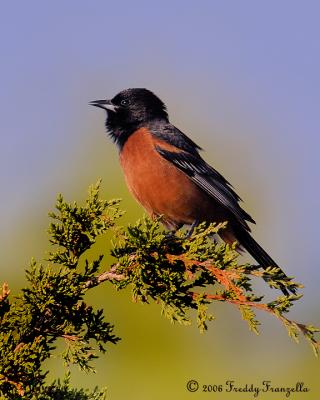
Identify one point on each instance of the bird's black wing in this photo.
(209, 180)
(172, 135)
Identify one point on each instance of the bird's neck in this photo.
(120, 132)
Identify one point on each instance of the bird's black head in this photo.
(129, 110)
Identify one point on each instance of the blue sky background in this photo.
(241, 79)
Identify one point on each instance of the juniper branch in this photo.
(181, 273)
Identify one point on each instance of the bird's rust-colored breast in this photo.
(160, 187)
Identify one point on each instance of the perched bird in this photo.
(166, 174)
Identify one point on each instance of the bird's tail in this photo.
(260, 255)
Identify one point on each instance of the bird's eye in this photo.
(124, 102)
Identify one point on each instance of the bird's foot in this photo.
(192, 228)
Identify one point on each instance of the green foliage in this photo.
(76, 228)
(61, 390)
(166, 269)
(183, 274)
(52, 306)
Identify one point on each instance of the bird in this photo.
(166, 174)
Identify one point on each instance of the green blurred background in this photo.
(242, 79)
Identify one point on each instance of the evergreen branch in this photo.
(233, 294)
(180, 273)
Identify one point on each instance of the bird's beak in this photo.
(105, 104)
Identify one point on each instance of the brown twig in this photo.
(105, 276)
(226, 279)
